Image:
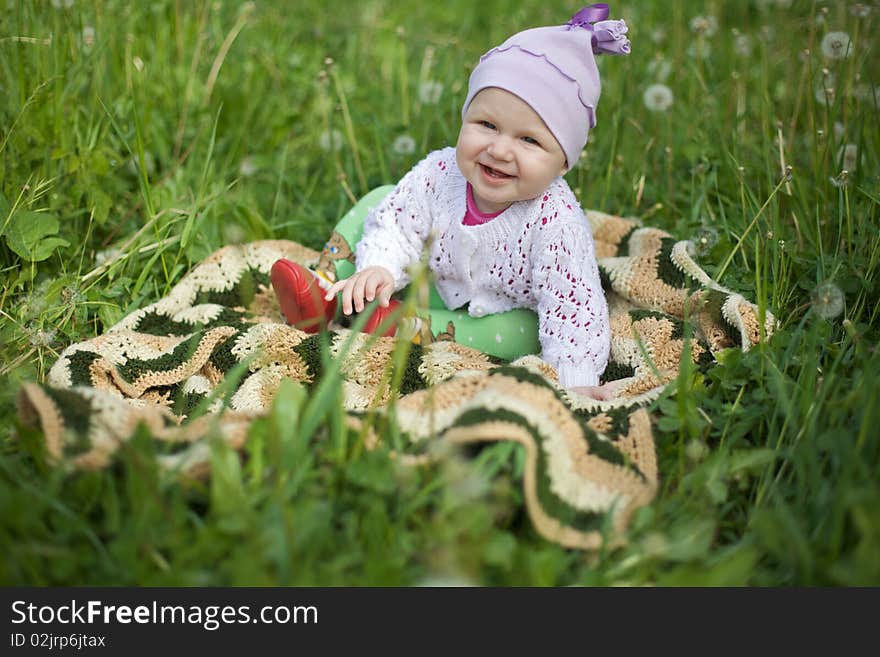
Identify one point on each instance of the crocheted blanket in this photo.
(208, 358)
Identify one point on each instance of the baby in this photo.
(503, 228)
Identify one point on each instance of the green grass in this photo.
(136, 138)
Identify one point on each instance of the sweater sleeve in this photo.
(396, 230)
(572, 310)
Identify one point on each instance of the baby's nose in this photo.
(500, 148)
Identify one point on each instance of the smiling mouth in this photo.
(495, 174)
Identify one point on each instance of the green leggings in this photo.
(508, 335)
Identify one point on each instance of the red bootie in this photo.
(300, 296)
(378, 316)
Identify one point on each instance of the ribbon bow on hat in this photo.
(608, 35)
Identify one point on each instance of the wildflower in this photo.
(42, 338)
(850, 156)
(658, 98)
(404, 145)
(88, 37)
(836, 45)
(828, 300)
(430, 92)
(825, 88)
(704, 240)
(742, 45)
(106, 255)
(704, 25)
(659, 69)
(248, 167)
(331, 140)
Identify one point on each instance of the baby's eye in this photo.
(487, 124)
(531, 140)
(334, 249)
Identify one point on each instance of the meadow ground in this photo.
(138, 137)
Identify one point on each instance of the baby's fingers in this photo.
(334, 290)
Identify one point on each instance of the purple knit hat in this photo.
(553, 69)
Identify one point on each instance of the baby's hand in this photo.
(363, 287)
(603, 392)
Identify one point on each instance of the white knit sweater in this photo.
(537, 254)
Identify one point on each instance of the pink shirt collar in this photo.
(473, 216)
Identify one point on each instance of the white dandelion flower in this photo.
(825, 87)
(705, 25)
(430, 92)
(742, 45)
(658, 98)
(106, 255)
(404, 145)
(704, 240)
(836, 45)
(331, 140)
(42, 338)
(828, 300)
(88, 37)
(247, 168)
(849, 154)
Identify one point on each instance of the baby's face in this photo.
(505, 150)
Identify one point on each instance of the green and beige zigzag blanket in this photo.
(587, 462)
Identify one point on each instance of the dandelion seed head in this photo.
(704, 240)
(404, 145)
(835, 45)
(696, 450)
(42, 338)
(849, 154)
(331, 140)
(88, 37)
(430, 92)
(658, 98)
(860, 10)
(742, 45)
(247, 168)
(828, 300)
(106, 255)
(704, 25)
